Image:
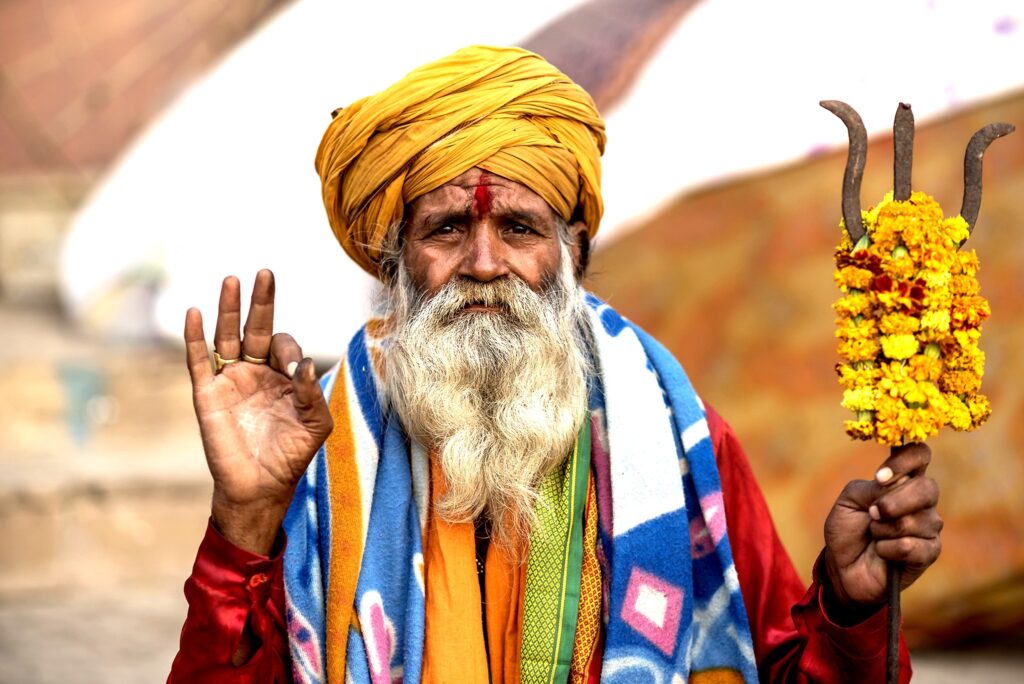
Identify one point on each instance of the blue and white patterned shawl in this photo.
(674, 602)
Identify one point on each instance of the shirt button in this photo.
(258, 579)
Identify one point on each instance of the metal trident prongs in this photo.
(903, 159)
(972, 169)
(854, 165)
(903, 152)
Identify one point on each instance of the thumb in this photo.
(309, 401)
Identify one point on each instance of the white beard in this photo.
(498, 396)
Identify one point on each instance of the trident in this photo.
(903, 156)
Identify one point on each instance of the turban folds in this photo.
(505, 110)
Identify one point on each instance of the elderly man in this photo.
(503, 479)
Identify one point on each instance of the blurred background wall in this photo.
(148, 148)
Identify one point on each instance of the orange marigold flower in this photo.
(966, 262)
(964, 285)
(980, 409)
(854, 278)
(924, 368)
(968, 312)
(860, 429)
(898, 323)
(902, 268)
(853, 305)
(959, 382)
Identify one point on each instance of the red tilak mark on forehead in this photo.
(482, 197)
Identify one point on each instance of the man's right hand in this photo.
(261, 423)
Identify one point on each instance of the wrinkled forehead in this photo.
(481, 193)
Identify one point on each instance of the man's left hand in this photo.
(890, 518)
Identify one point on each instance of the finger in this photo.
(909, 550)
(259, 324)
(916, 495)
(309, 401)
(926, 524)
(197, 356)
(226, 341)
(285, 354)
(909, 459)
(859, 494)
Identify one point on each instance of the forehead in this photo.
(460, 193)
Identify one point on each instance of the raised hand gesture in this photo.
(261, 414)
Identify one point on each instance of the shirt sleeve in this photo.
(794, 639)
(229, 588)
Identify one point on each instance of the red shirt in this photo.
(794, 640)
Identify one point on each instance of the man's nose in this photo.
(486, 255)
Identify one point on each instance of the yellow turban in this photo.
(505, 110)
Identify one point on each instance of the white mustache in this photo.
(510, 295)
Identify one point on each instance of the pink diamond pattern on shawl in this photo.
(653, 608)
(708, 529)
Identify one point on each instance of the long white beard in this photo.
(499, 396)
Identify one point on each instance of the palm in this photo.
(257, 446)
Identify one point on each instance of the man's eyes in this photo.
(518, 229)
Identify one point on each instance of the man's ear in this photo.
(580, 247)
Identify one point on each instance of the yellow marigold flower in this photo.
(956, 229)
(845, 244)
(854, 329)
(936, 279)
(935, 319)
(938, 299)
(899, 346)
(871, 215)
(862, 374)
(859, 350)
(898, 323)
(957, 414)
(966, 262)
(860, 399)
(967, 338)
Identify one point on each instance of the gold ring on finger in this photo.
(220, 361)
(254, 359)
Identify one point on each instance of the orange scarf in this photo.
(454, 648)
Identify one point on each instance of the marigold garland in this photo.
(908, 324)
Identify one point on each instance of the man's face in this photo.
(482, 227)
(487, 360)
